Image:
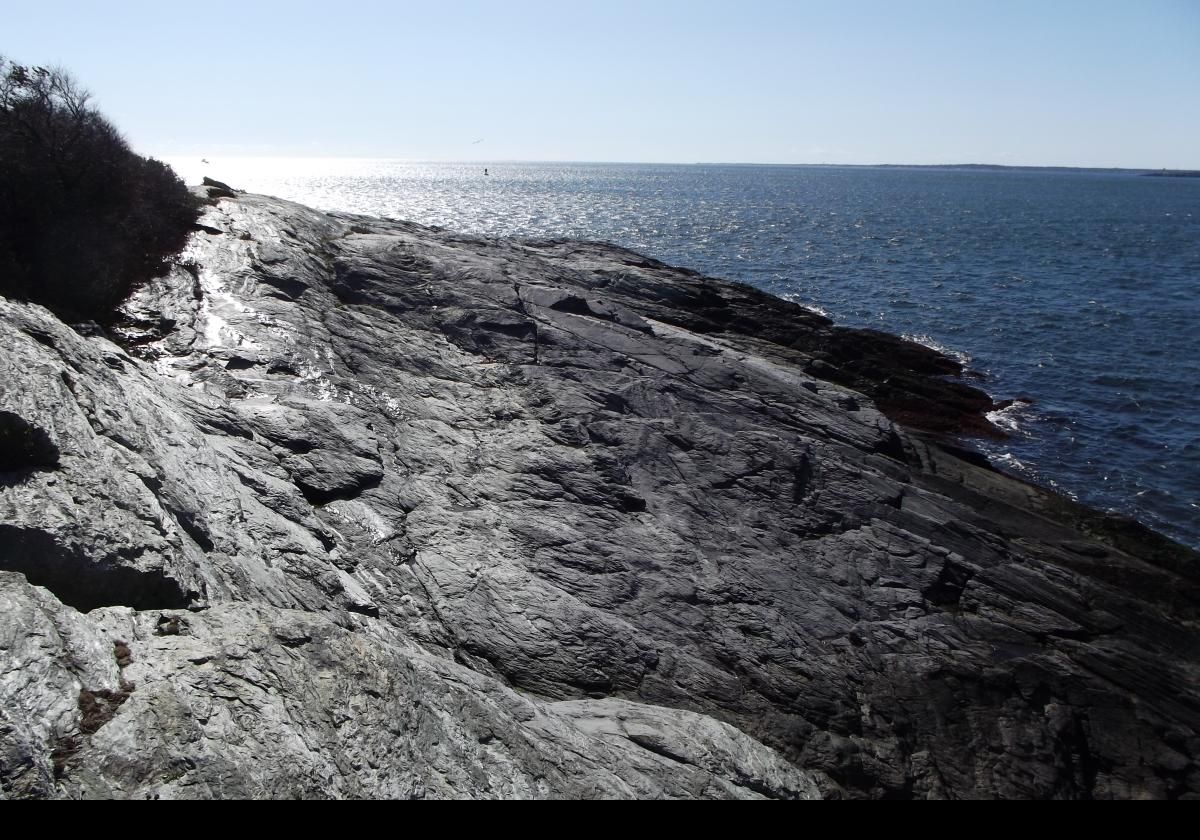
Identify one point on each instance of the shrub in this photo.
(83, 220)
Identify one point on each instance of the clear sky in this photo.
(1047, 82)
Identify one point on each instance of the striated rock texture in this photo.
(368, 509)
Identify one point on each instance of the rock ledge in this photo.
(359, 508)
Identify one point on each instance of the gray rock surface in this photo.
(360, 508)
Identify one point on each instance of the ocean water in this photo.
(1075, 292)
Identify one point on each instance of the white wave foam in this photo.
(1012, 462)
(959, 356)
(1012, 417)
(793, 297)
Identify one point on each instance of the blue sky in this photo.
(1053, 82)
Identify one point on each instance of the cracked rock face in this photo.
(368, 509)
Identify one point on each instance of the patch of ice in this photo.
(391, 406)
(215, 305)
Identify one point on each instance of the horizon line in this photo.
(528, 161)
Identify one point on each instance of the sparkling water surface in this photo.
(1077, 292)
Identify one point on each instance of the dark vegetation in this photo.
(84, 221)
(96, 708)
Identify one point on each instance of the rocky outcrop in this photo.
(361, 508)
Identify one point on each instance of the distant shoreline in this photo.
(985, 167)
(178, 160)
(1174, 173)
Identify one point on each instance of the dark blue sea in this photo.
(1075, 292)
